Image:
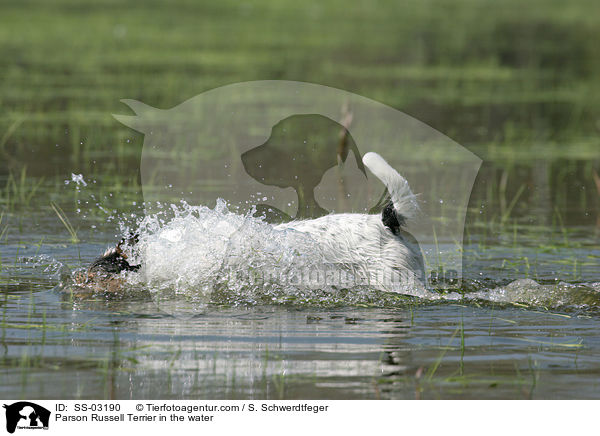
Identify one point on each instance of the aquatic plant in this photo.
(65, 220)
(20, 190)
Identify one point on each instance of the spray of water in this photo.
(203, 255)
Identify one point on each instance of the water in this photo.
(523, 325)
(65, 349)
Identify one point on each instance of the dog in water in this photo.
(376, 245)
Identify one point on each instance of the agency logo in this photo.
(26, 415)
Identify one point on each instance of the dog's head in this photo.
(103, 272)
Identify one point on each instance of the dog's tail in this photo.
(403, 199)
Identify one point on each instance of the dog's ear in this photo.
(131, 239)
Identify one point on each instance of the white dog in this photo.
(374, 249)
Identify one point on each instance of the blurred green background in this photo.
(510, 80)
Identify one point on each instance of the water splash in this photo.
(41, 269)
(531, 293)
(201, 255)
(204, 254)
(77, 178)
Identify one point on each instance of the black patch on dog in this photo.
(112, 263)
(391, 219)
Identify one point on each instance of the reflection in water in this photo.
(135, 350)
